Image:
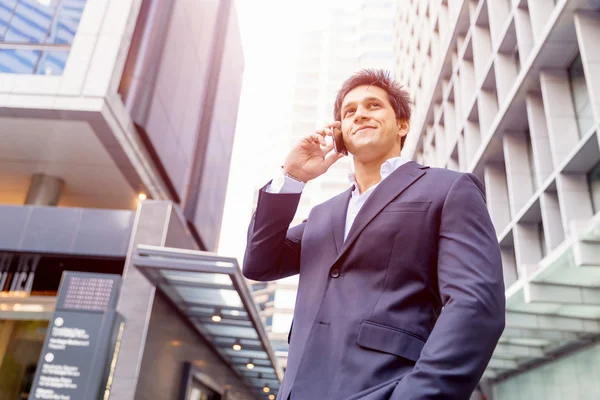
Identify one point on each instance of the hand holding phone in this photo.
(310, 158)
(338, 141)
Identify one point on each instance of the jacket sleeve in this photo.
(273, 250)
(471, 287)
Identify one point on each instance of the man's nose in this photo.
(360, 114)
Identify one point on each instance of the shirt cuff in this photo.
(283, 184)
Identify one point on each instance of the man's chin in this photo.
(364, 152)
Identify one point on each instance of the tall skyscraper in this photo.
(509, 91)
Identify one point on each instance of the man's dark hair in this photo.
(398, 97)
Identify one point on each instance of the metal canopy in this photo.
(211, 292)
(555, 307)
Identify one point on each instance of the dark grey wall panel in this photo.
(65, 230)
(217, 158)
(104, 232)
(13, 220)
(51, 229)
(179, 95)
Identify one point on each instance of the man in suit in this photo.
(401, 294)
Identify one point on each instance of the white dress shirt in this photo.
(284, 184)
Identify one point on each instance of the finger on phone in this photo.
(318, 139)
(327, 149)
(336, 124)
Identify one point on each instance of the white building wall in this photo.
(508, 90)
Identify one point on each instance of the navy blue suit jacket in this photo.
(409, 307)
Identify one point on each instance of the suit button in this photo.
(335, 273)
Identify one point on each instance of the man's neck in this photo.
(368, 174)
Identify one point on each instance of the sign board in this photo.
(74, 361)
(18, 279)
(30, 274)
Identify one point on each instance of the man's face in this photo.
(369, 125)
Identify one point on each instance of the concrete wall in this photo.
(170, 343)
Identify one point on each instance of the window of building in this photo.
(580, 95)
(37, 34)
(22, 344)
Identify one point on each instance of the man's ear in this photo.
(403, 127)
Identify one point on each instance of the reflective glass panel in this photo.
(66, 22)
(226, 321)
(52, 63)
(215, 297)
(235, 313)
(248, 353)
(44, 24)
(7, 8)
(264, 362)
(18, 61)
(31, 21)
(201, 310)
(256, 369)
(234, 331)
(196, 277)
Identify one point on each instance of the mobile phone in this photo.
(338, 142)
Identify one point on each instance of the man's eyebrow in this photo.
(370, 98)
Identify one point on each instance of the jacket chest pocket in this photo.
(408, 206)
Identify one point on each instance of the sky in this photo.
(270, 31)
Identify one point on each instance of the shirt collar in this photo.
(389, 166)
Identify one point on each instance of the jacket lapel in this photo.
(383, 194)
(339, 205)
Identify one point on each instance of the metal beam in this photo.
(187, 304)
(186, 265)
(496, 363)
(489, 374)
(561, 294)
(211, 286)
(517, 350)
(551, 322)
(208, 317)
(543, 334)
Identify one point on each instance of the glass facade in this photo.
(36, 35)
(20, 346)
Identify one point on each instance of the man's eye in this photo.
(349, 111)
(373, 105)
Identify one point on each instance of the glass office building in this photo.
(510, 91)
(117, 120)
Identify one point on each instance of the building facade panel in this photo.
(510, 96)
